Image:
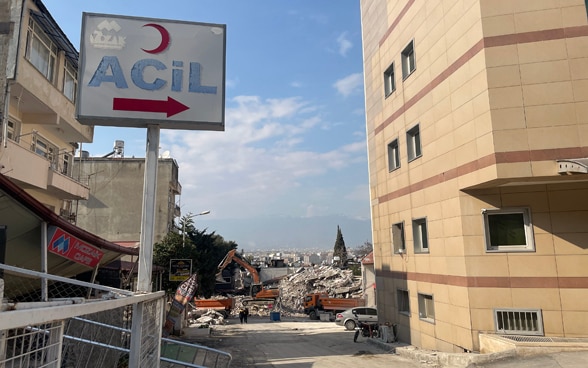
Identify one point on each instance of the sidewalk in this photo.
(574, 355)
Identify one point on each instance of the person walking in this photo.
(242, 315)
(245, 314)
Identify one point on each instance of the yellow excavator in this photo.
(257, 293)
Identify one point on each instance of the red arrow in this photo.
(169, 106)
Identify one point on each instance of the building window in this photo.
(419, 233)
(519, 321)
(508, 230)
(393, 155)
(70, 83)
(65, 164)
(408, 60)
(389, 82)
(426, 307)
(398, 238)
(43, 147)
(41, 51)
(413, 143)
(403, 301)
(13, 130)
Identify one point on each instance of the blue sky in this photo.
(291, 164)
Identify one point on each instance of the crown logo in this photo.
(105, 37)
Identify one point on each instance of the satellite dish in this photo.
(165, 154)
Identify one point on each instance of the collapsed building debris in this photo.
(318, 279)
(306, 280)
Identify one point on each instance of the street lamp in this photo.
(190, 216)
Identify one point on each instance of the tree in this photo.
(340, 250)
(206, 250)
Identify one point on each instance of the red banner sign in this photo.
(72, 248)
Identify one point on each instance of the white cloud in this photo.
(350, 84)
(254, 166)
(344, 44)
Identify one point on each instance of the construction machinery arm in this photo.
(232, 256)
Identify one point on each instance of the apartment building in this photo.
(40, 132)
(113, 209)
(477, 123)
(39, 136)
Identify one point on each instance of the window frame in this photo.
(69, 75)
(414, 147)
(403, 301)
(36, 37)
(408, 59)
(529, 245)
(397, 247)
(420, 231)
(426, 305)
(13, 130)
(389, 81)
(393, 155)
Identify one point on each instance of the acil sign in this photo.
(139, 71)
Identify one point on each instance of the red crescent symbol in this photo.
(164, 39)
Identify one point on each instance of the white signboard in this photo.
(134, 72)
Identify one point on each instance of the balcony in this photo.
(33, 170)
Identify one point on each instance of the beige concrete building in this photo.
(114, 207)
(39, 136)
(39, 130)
(477, 123)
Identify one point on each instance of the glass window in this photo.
(408, 60)
(413, 143)
(393, 155)
(65, 167)
(426, 307)
(41, 51)
(419, 232)
(70, 83)
(398, 237)
(403, 301)
(13, 130)
(508, 230)
(389, 82)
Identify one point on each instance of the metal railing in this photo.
(176, 353)
(49, 329)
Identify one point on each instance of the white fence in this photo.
(38, 327)
(52, 321)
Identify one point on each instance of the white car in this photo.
(350, 317)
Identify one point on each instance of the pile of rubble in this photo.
(293, 288)
(333, 281)
(210, 317)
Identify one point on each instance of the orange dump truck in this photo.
(223, 306)
(317, 303)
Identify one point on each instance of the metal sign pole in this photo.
(148, 216)
(146, 247)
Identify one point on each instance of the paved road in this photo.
(300, 343)
(295, 343)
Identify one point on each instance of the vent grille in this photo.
(519, 321)
(528, 338)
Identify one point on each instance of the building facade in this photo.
(113, 209)
(477, 123)
(39, 130)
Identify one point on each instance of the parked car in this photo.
(349, 317)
